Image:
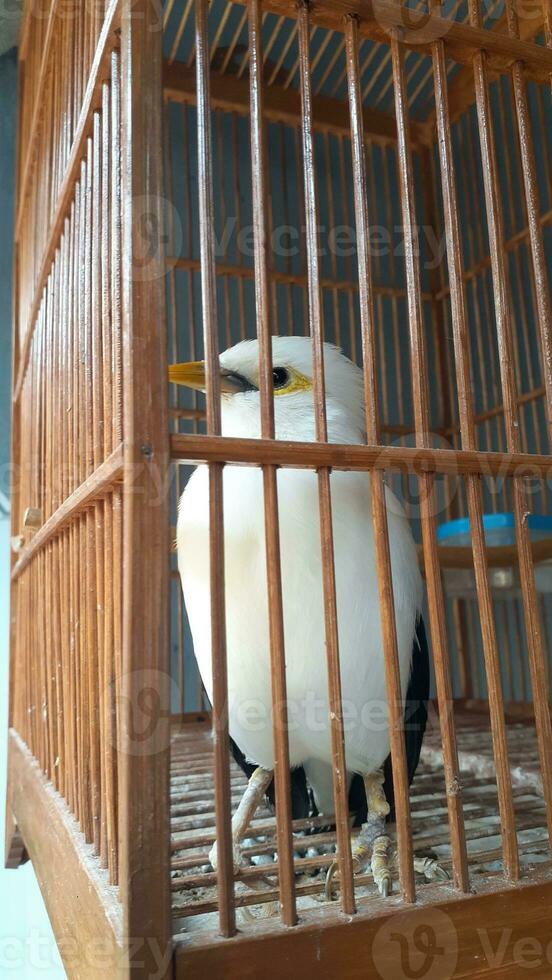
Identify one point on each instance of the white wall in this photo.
(27, 947)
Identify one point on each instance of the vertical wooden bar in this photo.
(88, 354)
(115, 300)
(531, 190)
(339, 770)
(473, 483)
(547, 9)
(108, 689)
(18, 680)
(144, 766)
(97, 536)
(272, 526)
(216, 516)
(377, 485)
(495, 223)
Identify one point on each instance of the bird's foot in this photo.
(372, 844)
(380, 865)
(238, 860)
(252, 797)
(427, 866)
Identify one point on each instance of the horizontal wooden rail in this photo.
(281, 105)
(490, 413)
(510, 244)
(462, 40)
(91, 101)
(462, 90)
(288, 278)
(198, 415)
(100, 481)
(345, 945)
(36, 117)
(514, 711)
(505, 556)
(312, 455)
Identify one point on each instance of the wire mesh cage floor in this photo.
(193, 883)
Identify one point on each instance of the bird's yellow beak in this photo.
(191, 374)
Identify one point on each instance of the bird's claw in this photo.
(384, 886)
(431, 869)
(381, 873)
(380, 865)
(328, 886)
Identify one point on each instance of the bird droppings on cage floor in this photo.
(193, 882)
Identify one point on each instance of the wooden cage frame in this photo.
(92, 449)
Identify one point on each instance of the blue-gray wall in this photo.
(236, 309)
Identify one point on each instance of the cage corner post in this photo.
(144, 799)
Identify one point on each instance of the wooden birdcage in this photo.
(373, 174)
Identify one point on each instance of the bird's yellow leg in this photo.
(378, 810)
(372, 839)
(383, 860)
(252, 797)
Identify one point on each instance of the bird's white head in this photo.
(293, 389)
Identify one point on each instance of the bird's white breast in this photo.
(361, 654)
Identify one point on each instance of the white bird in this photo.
(367, 740)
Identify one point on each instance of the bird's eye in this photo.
(280, 378)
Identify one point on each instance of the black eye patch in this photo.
(280, 377)
(239, 381)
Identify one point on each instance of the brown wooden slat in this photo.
(100, 482)
(99, 69)
(466, 412)
(290, 278)
(37, 117)
(144, 652)
(339, 771)
(461, 89)
(534, 210)
(280, 105)
(311, 455)
(522, 399)
(509, 245)
(504, 556)
(377, 485)
(270, 489)
(216, 515)
(504, 324)
(347, 949)
(462, 40)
